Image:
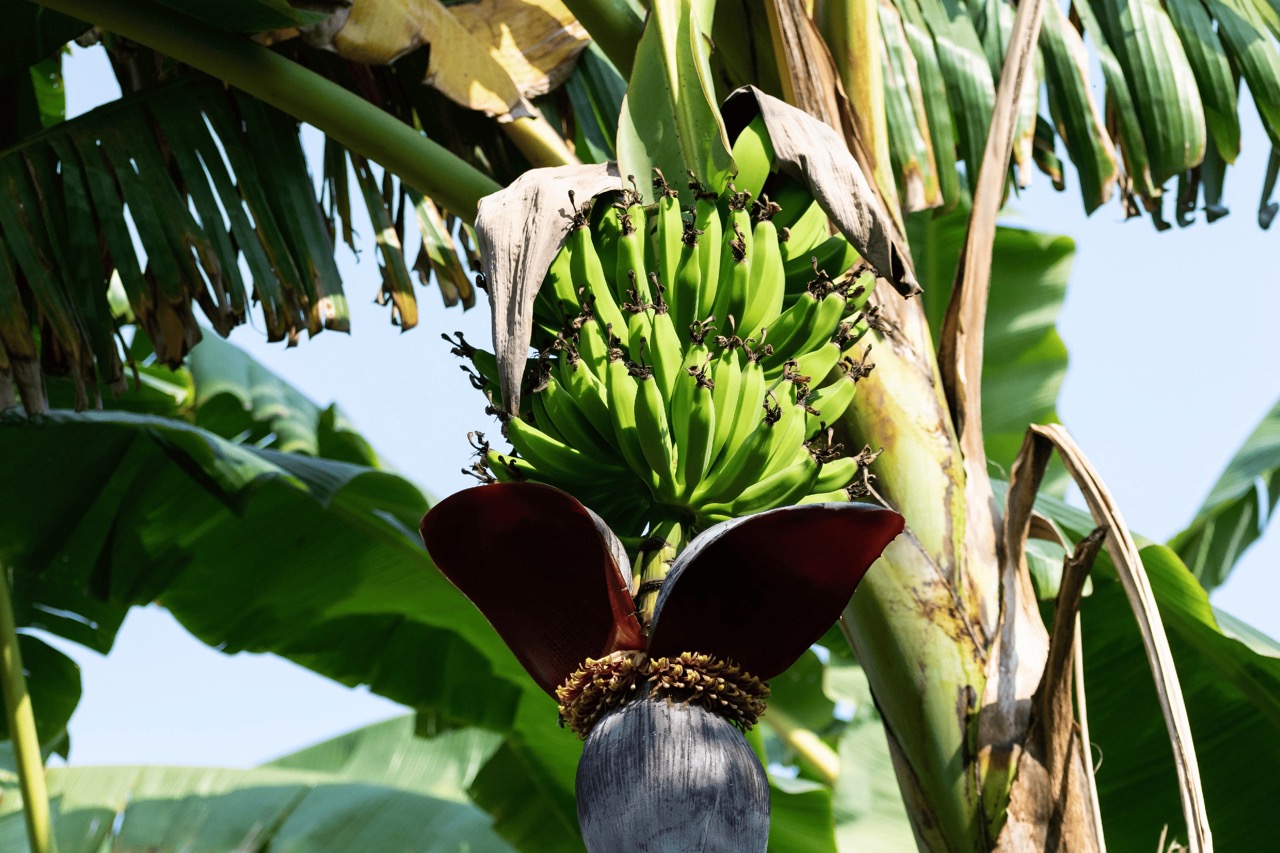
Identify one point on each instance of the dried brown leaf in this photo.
(960, 345)
(811, 151)
(1017, 659)
(811, 81)
(519, 229)
(1053, 804)
(1028, 470)
(960, 348)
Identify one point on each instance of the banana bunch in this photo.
(691, 359)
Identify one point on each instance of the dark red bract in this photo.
(542, 568)
(554, 581)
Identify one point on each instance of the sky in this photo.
(1172, 347)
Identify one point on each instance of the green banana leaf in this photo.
(1160, 81)
(393, 753)
(670, 118)
(327, 566)
(33, 98)
(833, 700)
(970, 88)
(256, 550)
(595, 90)
(164, 809)
(30, 34)
(1233, 700)
(1212, 71)
(1075, 114)
(1238, 509)
(1024, 359)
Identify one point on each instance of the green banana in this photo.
(622, 391)
(557, 299)
(791, 328)
(837, 474)
(793, 198)
(485, 363)
(788, 442)
(811, 230)
(588, 393)
(592, 343)
(832, 256)
(554, 460)
(685, 300)
(820, 326)
(710, 231)
(748, 405)
(838, 496)
(830, 402)
(693, 423)
(777, 489)
(767, 282)
(735, 266)
(858, 289)
(753, 153)
(632, 271)
(607, 232)
(654, 434)
(568, 418)
(726, 396)
(743, 462)
(665, 354)
(632, 278)
(669, 236)
(818, 363)
(590, 280)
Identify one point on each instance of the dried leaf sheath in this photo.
(815, 154)
(520, 229)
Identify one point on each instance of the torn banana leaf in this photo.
(1074, 110)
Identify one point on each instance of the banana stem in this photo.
(427, 166)
(657, 553)
(22, 728)
(615, 25)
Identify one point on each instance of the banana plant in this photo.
(954, 735)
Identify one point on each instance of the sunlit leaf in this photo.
(669, 118)
(1238, 509)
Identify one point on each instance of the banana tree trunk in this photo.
(953, 678)
(921, 625)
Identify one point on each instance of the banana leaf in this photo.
(1024, 359)
(669, 117)
(164, 809)
(31, 34)
(1238, 508)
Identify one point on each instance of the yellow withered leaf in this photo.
(489, 56)
(536, 41)
(378, 32)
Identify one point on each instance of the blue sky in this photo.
(1172, 345)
